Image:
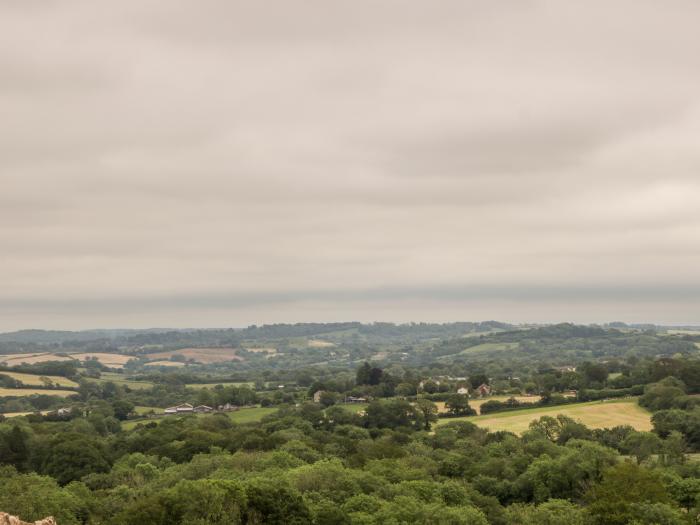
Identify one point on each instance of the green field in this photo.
(245, 415)
(25, 392)
(594, 414)
(119, 379)
(199, 386)
(35, 379)
(354, 407)
(490, 347)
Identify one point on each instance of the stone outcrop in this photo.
(6, 519)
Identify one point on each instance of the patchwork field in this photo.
(595, 414)
(25, 392)
(38, 380)
(18, 414)
(200, 355)
(30, 359)
(476, 403)
(107, 359)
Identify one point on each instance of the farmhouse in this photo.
(483, 390)
(463, 391)
(352, 399)
(202, 409)
(185, 408)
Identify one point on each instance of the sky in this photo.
(223, 163)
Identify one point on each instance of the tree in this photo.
(641, 445)
(428, 410)
(625, 484)
(363, 374)
(122, 409)
(458, 405)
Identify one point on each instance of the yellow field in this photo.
(165, 363)
(119, 379)
(107, 359)
(594, 414)
(476, 403)
(262, 350)
(24, 392)
(200, 355)
(30, 359)
(318, 343)
(18, 414)
(35, 380)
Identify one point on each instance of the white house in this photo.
(463, 391)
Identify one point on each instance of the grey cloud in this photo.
(240, 161)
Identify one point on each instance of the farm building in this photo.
(463, 391)
(483, 390)
(185, 408)
(202, 409)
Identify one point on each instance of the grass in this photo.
(35, 379)
(594, 414)
(244, 415)
(18, 414)
(25, 392)
(199, 386)
(145, 410)
(354, 407)
(490, 347)
(119, 379)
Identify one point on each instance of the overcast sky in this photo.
(221, 163)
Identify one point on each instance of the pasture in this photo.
(25, 392)
(39, 380)
(594, 414)
(200, 355)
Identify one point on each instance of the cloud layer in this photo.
(187, 164)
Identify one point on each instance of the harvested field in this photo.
(107, 359)
(175, 364)
(594, 414)
(30, 359)
(262, 350)
(200, 355)
(36, 380)
(24, 392)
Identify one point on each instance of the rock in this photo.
(6, 519)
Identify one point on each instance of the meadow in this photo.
(119, 379)
(30, 359)
(244, 415)
(594, 414)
